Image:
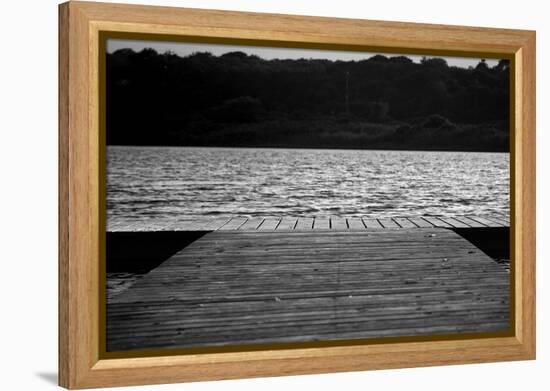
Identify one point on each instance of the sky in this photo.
(184, 49)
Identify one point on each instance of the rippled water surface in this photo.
(180, 182)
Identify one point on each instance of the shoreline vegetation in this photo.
(328, 148)
(330, 134)
(241, 100)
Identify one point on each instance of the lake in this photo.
(175, 183)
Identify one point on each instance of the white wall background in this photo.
(28, 193)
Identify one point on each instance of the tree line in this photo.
(238, 99)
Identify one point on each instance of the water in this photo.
(174, 183)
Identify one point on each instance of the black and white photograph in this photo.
(267, 196)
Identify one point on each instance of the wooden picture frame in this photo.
(81, 364)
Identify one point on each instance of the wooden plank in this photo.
(321, 223)
(487, 222)
(453, 222)
(355, 223)
(499, 220)
(437, 222)
(252, 224)
(215, 223)
(149, 310)
(180, 225)
(233, 224)
(404, 222)
(372, 223)
(287, 223)
(421, 223)
(235, 287)
(469, 222)
(304, 223)
(269, 224)
(338, 223)
(388, 223)
(266, 305)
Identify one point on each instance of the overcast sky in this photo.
(268, 53)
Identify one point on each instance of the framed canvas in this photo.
(246, 195)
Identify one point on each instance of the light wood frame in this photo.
(80, 24)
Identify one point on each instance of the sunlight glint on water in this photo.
(175, 183)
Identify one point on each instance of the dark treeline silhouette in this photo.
(242, 100)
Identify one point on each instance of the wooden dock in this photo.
(243, 223)
(313, 279)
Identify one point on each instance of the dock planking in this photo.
(499, 220)
(252, 224)
(304, 223)
(233, 224)
(246, 287)
(269, 223)
(420, 222)
(454, 222)
(287, 223)
(436, 222)
(321, 223)
(470, 223)
(356, 223)
(388, 223)
(339, 223)
(489, 221)
(372, 223)
(404, 222)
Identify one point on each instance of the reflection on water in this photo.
(174, 182)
